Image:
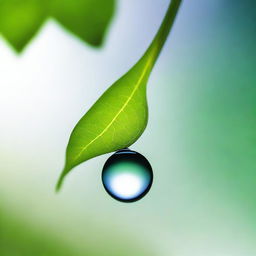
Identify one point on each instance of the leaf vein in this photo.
(118, 113)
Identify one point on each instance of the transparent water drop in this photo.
(127, 176)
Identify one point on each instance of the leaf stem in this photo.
(160, 38)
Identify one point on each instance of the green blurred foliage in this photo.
(20, 20)
(17, 237)
(87, 19)
(22, 236)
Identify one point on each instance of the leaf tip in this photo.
(58, 185)
(18, 49)
(60, 182)
(61, 179)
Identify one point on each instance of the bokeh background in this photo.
(200, 140)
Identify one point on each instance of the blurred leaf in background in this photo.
(88, 19)
(20, 20)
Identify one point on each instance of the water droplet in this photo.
(127, 176)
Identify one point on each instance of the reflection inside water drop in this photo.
(127, 176)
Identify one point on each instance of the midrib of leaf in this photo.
(137, 85)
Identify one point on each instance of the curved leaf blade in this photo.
(115, 121)
(87, 19)
(119, 116)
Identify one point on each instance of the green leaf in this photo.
(88, 19)
(120, 115)
(20, 20)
